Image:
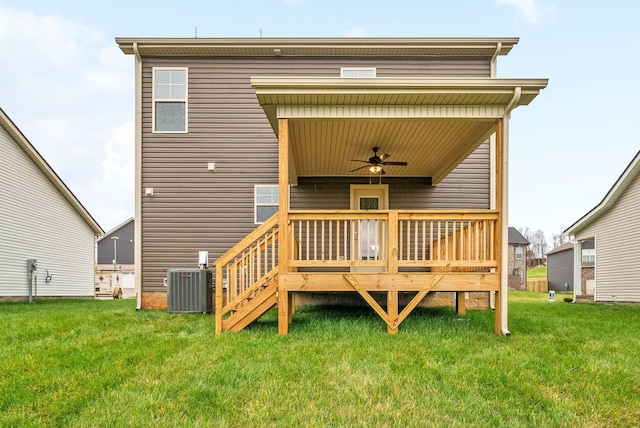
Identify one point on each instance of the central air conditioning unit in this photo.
(189, 290)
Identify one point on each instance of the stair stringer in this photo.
(264, 299)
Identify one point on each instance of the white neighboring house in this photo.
(40, 219)
(614, 226)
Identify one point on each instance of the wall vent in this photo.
(189, 290)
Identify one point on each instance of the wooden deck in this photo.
(388, 251)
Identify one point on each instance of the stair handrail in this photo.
(246, 243)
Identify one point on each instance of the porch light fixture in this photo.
(375, 169)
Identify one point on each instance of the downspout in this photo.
(504, 209)
(494, 59)
(577, 269)
(492, 159)
(138, 178)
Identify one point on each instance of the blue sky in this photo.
(69, 89)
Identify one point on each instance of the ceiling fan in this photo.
(376, 163)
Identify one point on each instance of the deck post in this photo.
(292, 307)
(461, 304)
(392, 311)
(498, 314)
(283, 311)
(218, 297)
(393, 242)
(283, 220)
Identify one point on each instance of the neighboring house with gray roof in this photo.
(517, 260)
(40, 219)
(613, 227)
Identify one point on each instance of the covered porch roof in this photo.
(431, 123)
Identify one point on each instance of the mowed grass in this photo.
(537, 272)
(101, 363)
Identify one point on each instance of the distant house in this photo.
(41, 220)
(115, 259)
(560, 270)
(613, 226)
(517, 260)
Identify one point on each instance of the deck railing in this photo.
(463, 241)
(250, 262)
(438, 240)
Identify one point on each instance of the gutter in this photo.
(517, 94)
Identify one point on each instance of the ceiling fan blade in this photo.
(358, 160)
(395, 163)
(357, 169)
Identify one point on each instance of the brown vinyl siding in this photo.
(193, 209)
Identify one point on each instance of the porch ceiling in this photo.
(432, 124)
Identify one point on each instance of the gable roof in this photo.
(516, 238)
(115, 229)
(610, 198)
(564, 247)
(18, 137)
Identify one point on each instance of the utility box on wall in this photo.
(189, 290)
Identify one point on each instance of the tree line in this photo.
(538, 242)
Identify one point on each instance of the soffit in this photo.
(432, 124)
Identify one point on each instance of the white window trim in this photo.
(343, 69)
(255, 201)
(154, 99)
(516, 253)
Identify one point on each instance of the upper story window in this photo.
(266, 202)
(170, 99)
(519, 253)
(588, 254)
(357, 72)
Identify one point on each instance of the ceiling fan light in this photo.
(375, 169)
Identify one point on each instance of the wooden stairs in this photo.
(247, 279)
(252, 304)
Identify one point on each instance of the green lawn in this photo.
(101, 363)
(537, 272)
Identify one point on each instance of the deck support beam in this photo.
(391, 316)
(368, 298)
(392, 310)
(461, 304)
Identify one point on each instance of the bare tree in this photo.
(538, 244)
(527, 233)
(558, 239)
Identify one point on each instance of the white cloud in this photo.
(70, 90)
(116, 178)
(32, 40)
(531, 10)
